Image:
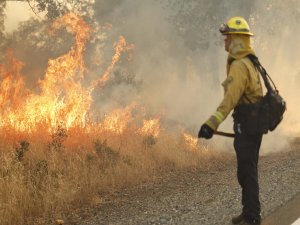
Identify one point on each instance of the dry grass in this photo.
(47, 176)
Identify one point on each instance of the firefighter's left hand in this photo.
(205, 132)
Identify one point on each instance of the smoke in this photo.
(183, 83)
(175, 79)
(179, 61)
(276, 45)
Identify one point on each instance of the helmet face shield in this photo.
(224, 29)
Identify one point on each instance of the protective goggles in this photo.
(225, 29)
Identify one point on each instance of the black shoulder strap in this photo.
(263, 73)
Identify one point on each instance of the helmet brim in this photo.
(244, 33)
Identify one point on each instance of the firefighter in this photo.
(241, 86)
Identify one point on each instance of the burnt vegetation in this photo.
(58, 138)
(21, 150)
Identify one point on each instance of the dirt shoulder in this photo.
(196, 197)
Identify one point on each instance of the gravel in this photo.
(198, 197)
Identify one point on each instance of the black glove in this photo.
(205, 132)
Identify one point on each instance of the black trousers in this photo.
(247, 152)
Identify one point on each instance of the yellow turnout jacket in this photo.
(242, 84)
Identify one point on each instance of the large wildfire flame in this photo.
(62, 99)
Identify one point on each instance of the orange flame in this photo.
(151, 127)
(117, 120)
(12, 83)
(62, 97)
(120, 46)
(190, 141)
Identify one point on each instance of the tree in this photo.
(2, 17)
(56, 8)
(197, 21)
(2, 36)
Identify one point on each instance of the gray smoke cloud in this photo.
(184, 82)
(277, 46)
(176, 79)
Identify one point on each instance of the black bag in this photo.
(267, 113)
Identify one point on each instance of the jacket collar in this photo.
(239, 48)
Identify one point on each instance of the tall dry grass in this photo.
(44, 176)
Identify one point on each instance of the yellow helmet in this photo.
(236, 25)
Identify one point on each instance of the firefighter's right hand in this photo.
(205, 132)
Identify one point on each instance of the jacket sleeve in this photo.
(234, 87)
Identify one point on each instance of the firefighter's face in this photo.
(227, 41)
